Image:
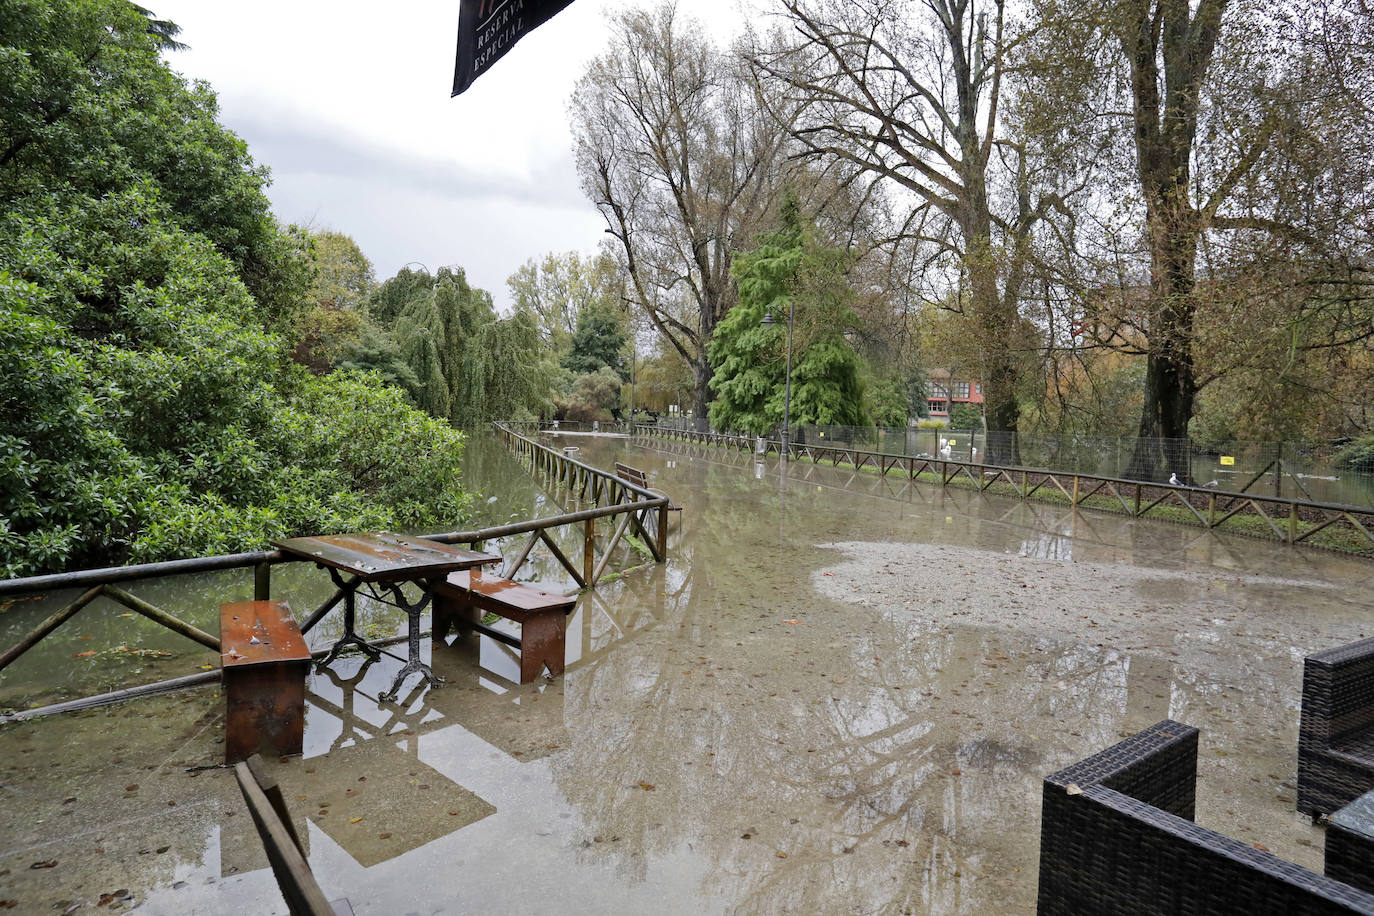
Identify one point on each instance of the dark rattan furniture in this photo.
(1117, 836)
(1350, 843)
(1336, 732)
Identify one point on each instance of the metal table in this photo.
(384, 562)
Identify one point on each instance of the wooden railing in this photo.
(1293, 521)
(608, 495)
(611, 498)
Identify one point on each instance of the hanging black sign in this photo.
(487, 29)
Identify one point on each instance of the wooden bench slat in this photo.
(543, 617)
(259, 632)
(638, 478)
(499, 595)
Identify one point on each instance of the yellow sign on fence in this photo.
(1228, 460)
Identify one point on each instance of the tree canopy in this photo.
(788, 277)
(147, 297)
(442, 338)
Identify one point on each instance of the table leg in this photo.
(413, 611)
(350, 638)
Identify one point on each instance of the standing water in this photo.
(839, 695)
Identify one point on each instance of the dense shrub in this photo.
(148, 408)
(1358, 455)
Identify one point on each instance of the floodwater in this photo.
(840, 695)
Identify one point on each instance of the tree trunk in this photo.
(702, 395)
(1170, 386)
(1165, 130)
(996, 323)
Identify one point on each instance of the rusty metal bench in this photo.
(264, 660)
(462, 599)
(638, 478)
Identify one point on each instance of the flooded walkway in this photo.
(839, 696)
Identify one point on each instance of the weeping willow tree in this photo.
(470, 366)
(505, 372)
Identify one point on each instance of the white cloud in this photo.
(348, 104)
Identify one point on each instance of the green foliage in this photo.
(788, 270)
(343, 274)
(557, 290)
(662, 380)
(599, 341)
(377, 351)
(593, 396)
(90, 109)
(143, 417)
(146, 407)
(1358, 455)
(465, 364)
(886, 402)
(334, 321)
(966, 416)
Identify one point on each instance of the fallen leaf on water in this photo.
(86, 654)
(1261, 847)
(646, 786)
(780, 854)
(383, 836)
(354, 820)
(792, 622)
(206, 667)
(46, 863)
(126, 615)
(1073, 789)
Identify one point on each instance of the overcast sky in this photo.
(348, 104)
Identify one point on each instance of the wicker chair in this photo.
(1117, 836)
(1336, 732)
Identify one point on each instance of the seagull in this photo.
(1174, 481)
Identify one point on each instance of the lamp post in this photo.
(768, 321)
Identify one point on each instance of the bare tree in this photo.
(913, 93)
(1250, 134)
(676, 149)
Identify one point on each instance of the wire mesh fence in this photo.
(1281, 469)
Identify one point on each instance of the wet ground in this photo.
(839, 696)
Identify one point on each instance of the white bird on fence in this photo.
(973, 455)
(945, 450)
(1174, 481)
(1212, 484)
